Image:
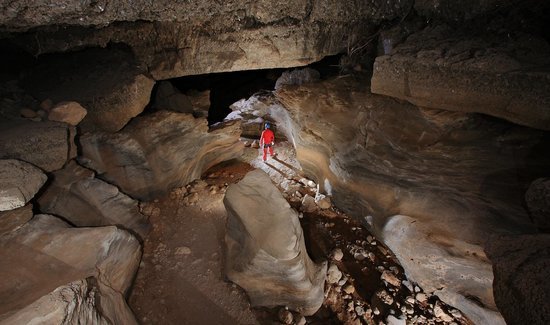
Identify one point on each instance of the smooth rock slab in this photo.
(159, 152)
(68, 112)
(12, 219)
(85, 201)
(19, 182)
(266, 253)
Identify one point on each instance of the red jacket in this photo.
(267, 137)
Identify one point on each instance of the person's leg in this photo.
(265, 153)
(271, 151)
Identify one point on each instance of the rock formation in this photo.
(85, 201)
(12, 219)
(52, 271)
(266, 253)
(19, 182)
(169, 98)
(172, 39)
(491, 74)
(158, 152)
(68, 112)
(455, 175)
(47, 145)
(105, 82)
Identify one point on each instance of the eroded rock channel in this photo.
(410, 183)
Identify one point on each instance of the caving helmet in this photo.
(267, 125)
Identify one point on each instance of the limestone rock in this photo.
(382, 156)
(285, 316)
(28, 113)
(106, 82)
(266, 253)
(521, 285)
(19, 182)
(308, 203)
(13, 219)
(68, 112)
(85, 201)
(47, 145)
(200, 100)
(337, 254)
(436, 68)
(45, 254)
(537, 198)
(173, 39)
(158, 152)
(169, 98)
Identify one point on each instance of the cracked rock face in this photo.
(266, 253)
(172, 39)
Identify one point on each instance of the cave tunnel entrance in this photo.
(220, 90)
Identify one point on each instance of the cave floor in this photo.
(181, 281)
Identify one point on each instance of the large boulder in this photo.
(458, 177)
(266, 253)
(158, 152)
(47, 145)
(490, 74)
(521, 285)
(19, 182)
(46, 254)
(172, 39)
(537, 198)
(106, 82)
(85, 201)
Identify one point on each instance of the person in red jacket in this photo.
(267, 140)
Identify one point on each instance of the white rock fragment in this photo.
(333, 274)
(337, 254)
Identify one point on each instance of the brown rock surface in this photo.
(521, 285)
(169, 98)
(537, 198)
(47, 145)
(85, 201)
(266, 253)
(68, 112)
(158, 152)
(459, 177)
(46, 253)
(491, 74)
(172, 39)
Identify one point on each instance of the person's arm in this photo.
(262, 139)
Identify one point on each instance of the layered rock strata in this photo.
(266, 253)
(494, 74)
(158, 152)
